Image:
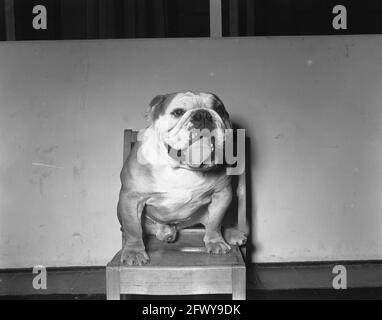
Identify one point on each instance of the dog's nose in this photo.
(201, 119)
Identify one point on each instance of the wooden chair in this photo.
(182, 267)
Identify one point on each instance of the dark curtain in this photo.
(298, 17)
(102, 19)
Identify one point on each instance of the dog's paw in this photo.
(133, 257)
(235, 237)
(217, 247)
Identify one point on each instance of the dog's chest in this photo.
(182, 192)
(180, 200)
(170, 180)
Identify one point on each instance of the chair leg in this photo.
(238, 283)
(112, 284)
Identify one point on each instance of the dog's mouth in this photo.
(197, 155)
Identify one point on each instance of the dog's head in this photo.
(191, 127)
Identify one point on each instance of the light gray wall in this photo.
(312, 107)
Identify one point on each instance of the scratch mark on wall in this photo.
(46, 165)
(84, 86)
(42, 178)
(280, 135)
(78, 169)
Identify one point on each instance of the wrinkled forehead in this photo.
(190, 100)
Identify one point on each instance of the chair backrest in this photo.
(130, 138)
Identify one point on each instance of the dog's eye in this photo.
(177, 113)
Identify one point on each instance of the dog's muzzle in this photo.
(199, 155)
(197, 141)
(202, 119)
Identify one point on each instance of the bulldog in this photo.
(174, 176)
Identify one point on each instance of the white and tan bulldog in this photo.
(174, 176)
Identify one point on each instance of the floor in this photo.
(350, 294)
(265, 282)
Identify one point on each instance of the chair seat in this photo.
(182, 267)
(187, 250)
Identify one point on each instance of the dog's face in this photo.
(191, 127)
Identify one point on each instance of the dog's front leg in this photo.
(213, 238)
(130, 207)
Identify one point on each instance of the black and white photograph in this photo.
(200, 153)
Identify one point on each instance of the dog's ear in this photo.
(226, 119)
(155, 107)
(221, 110)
